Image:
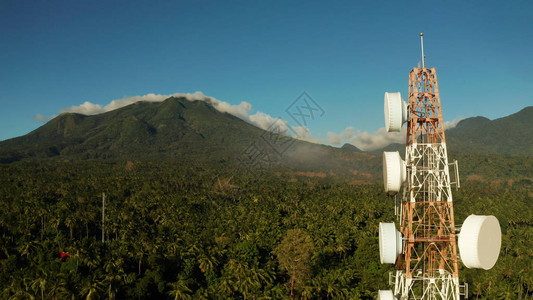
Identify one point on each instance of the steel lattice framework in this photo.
(428, 267)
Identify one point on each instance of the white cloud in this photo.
(303, 133)
(337, 139)
(452, 124)
(241, 110)
(376, 140)
(267, 122)
(365, 140)
(87, 108)
(43, 119)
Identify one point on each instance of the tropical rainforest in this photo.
(179, 231)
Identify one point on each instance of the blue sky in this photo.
(344, 54)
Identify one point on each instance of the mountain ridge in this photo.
(348, 146)
(195, 133)
(188, 132)
(156, 126)
(506, 136)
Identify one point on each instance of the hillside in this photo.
(192, 133)
(508, 136)
(173, 128)
(351, 147)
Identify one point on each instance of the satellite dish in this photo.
(395, 112)
(394, 171)
(385, 295)
(480, 241)
(390, 243)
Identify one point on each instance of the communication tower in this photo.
(425, 248)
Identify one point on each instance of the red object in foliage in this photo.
(63, 255)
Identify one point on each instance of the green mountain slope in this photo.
(351, 147)
(510, 135)
(172, 128)
(192, 133)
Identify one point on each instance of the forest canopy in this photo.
(180, 232)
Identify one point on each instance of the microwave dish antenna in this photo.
(390, 243)
(385, 295)
(394, 171)
(480, 242)
(395, 112)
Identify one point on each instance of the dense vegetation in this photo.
(180, 232)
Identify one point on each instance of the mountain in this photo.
(157, 130)
(194, 133)
(509, 136)
(350, 147)
(474, 122)
(188, 132)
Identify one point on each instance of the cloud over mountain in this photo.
(375, 140)
(43, 119)
(365, 140)
(242, 111)
(362, 139)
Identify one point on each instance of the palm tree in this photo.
(180, 290)
(39, 284)
(91, 289)
(113, 276)
(70, 224)
(15, 290)
(27, 249)
(62, 291)
(206, 263)
(225, 287)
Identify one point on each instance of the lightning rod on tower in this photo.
(422, 45)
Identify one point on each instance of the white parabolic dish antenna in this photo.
(480, 241)
(385, 295)
(390, 243)
(394, 171)
(395, 112)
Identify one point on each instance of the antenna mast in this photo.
(422, 44)
(425, 248)
(103, 217)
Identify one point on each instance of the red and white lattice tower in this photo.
(425, 248)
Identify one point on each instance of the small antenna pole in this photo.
(423, 56)
(103, 217)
